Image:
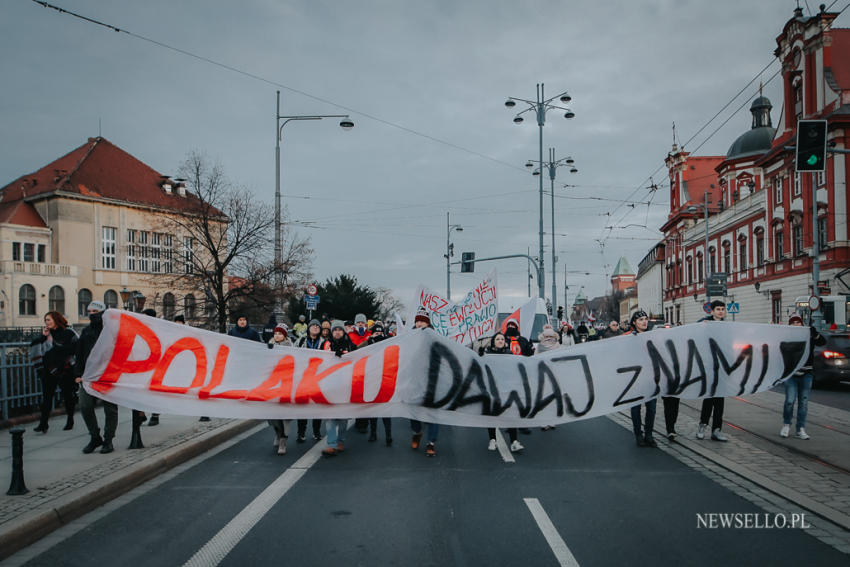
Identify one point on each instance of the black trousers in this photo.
(302, 427)
(712, 407)
(511, 433)
(388, 426)
(49, 383)
(671, 413)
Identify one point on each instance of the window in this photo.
(742, 255)
(776, 306)
(131, 250)
(779, 244)
(189, 306)
(42, 252)
(26, 300)
(188, 255)
(798, 189)
(168, 306)
(156, 248)
(760, 250)
(700, 269)
(143, 251)
(110, 298)
(727, 259)
(797, 239)
(167, 254)
(821, 233)
(83, 300)
(712, 265)
(797, 97)
(29, 252)
(821, 178)
(690, 270)
(16, 251)
(780, 186)
(107, 248)
(56, 299)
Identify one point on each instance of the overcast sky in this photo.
(425, 83)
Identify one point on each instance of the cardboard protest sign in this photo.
(151, 364)
(472, 318)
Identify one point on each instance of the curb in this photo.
(28, 530)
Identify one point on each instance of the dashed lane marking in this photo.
(553, 538)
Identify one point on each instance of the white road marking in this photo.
(222, 543)
(503, 447)
(553, 538)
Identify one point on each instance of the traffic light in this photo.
(467, 262)
(560, 313)
(811, 145)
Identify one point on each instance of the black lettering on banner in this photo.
(720, 359)
(439, 353)
(792, 356)
(636, 369)
(765, 357)
(475, 374)
(544, 374)
(658, 365)
(694, 356)
(513, 398)
(588, 381)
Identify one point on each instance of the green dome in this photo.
(752, 143)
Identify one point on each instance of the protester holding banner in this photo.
(377, 336)
(713, 405)
(312, 340)
(639, 323)
(340, 344)
(423, 321)
(88, 338)
(280, 338)
(360, 333)
(548, 339)
(499, 345)
(326, 329)
(518, 344)
(798, 386)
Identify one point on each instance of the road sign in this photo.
(312, 301)
(733, 307)
(707, 307)
(716, 284)
(312, 289)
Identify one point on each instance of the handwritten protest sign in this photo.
(466, 321)
(151, 364)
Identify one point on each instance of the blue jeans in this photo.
(433, 430)
(797, 388)
(650, 419)
(336, 431)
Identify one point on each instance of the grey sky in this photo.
(379, 194)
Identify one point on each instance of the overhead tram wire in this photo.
(276, 84)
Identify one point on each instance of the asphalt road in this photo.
(609, 502)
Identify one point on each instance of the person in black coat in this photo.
(57, 368)
(499, 345)
(376, 337)
(243, 331)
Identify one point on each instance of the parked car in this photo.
(832, 361)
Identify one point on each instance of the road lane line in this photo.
(503, 447)
(553, 538)
(222, 543)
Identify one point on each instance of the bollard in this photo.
(136, 437)
(17, 486)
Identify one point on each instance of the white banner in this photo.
(153, 365)
(464, 322)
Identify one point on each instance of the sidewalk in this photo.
(64, 483)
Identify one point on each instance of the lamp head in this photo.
(509, 103)
(346, 124)
(569, 114)
(573, 170)
(566, 98)
(518, 120)
(529, 164)
(570, 161)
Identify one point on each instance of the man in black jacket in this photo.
(713, 407)
(84, 347)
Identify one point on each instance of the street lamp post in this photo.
(540, 106)
(552, 165)
(450, 248)
(346, 124)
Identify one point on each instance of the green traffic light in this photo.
(813, 160)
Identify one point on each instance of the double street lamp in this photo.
(450, 248)
(346, 124)
(133, 300)
(540, 107)
(552, 166)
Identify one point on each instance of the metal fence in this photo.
(20, 387)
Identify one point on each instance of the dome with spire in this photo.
(759, 138)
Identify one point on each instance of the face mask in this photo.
(96, 318)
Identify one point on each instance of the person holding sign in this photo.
(340, 344)
(639, 323)
(499, 345)
(423, 321)
(713, 405)
(312, 340)
(280, 338)
(798, 386)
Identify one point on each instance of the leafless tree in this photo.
(389, 305)
(225, 243)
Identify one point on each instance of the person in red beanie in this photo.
(423, 321)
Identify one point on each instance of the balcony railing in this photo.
(37, 268)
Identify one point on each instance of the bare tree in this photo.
(225, 244)
(389, 305)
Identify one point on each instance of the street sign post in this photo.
(715, 285)
(733, 308)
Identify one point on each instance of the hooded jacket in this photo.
(246, 333)
(86, 343)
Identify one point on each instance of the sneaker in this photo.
(718, 435)
(701, 430)
(801, 434)
(329, 452)
(671, 436)
(300, 439)
(281, 448)
(492, 445)
(650, 442)
(786, 429)
(107, 446)
(414, 443)
(430, 451)
(516, 446)
(276, 440)
(340, 447)
(317, 437)
(94, 443)
(639, 440)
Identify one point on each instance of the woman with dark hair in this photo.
(58, 369)
(499, 345)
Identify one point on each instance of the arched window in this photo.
(168, 306)
(110, 298)
(83, 300)
(26, 300)
(56, 299)
(189, 306)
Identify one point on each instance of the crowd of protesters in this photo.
(60, 356)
